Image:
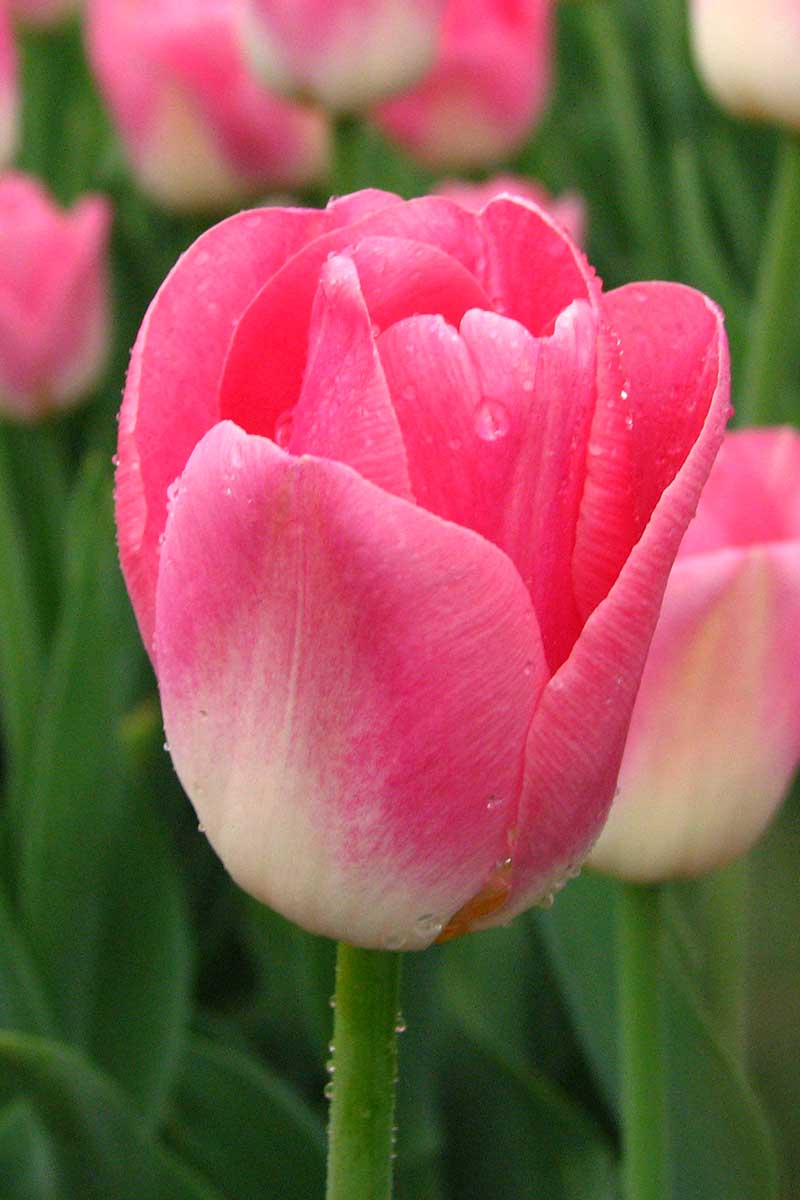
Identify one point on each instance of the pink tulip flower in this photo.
(345, 53)
(200, 131)
(715, 735)
(44, 13)
(748, 53)
(8, 89)
(398, 492)
(486, 89)
(569, 209)
(53, 298)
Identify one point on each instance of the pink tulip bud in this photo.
(398, 492)
(200, 131)
(8, 89)
(345, 53)
(568, 209)
(748, 52)
(53, 298)
(486, 89)
(43, 13)
(715, 735)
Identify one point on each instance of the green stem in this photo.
(724, 899)
(361, 1129)
(775, 306)
(644, 1116)
(637, 175)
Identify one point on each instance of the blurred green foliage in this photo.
(162, 1035)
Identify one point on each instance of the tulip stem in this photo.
(361, 1129)
(774, 312)
(644, 1114)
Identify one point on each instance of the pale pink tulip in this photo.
(200, 131)
(53, 298)
(44, 13)
(748, 53)
(486, 89)
(715, 735)
(8, 89)
(398, 492)
(568, 209)
(345, 53)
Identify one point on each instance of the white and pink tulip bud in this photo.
(748, 53)
(715, 734)
(200, 131)
(54, 298)
(344, 53)
(485, 90)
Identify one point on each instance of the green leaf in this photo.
(721, 1149)
(22, 1001)
(28, 1165)
(244, 1128)
(101, 1145)
(97, 892)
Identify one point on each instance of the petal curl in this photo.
(346, 683)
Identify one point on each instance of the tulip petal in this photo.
(715, 734)
(345, 411)
(658, 367)
(266, 360)
(171, 392)
(347, 682)
(578, 733)
(495, 424)
(519, 235)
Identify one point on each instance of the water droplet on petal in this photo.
(395, 941)
(495, 802)
(491, 421)
(429, 923)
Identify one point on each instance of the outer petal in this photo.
(345, 412)
(171, 391)
(658, 368)
(578, 733)
(346, 683)
(568, 209)
(715, 734)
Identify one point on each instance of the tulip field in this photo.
(399, 600)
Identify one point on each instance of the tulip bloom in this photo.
(345, 53)
(715, 735)
(201, 133)
(569, 209)
(485, 90)
(398, 491)
(44, 13)
(8, 89)
(53, 298)
(748, 53)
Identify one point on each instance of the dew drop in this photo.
(330, 1066)
(201, 828)
(495, 802)
(629, 422)
(400, 1024)
(527, 384)
(327, 1091)
(429, 923)
(283, 428)
(166, 747)
(394, 941)
(491, 421)
(332, 1002)
(547, 901)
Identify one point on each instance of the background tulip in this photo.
(485, 90)
(748, 55)
(715, 735)
(8, 89)
(397, 572)
(53, 298)
(44, 12)
(569, 209)
(200, 131)
(345, 53)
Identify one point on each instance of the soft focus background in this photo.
(163, 1035)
